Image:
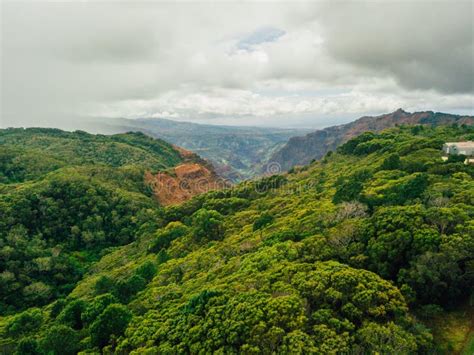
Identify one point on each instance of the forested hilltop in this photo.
(65, 197)
(369, 250)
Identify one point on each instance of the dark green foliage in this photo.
(103, 284)
(96, 307)
(208, 225)
(25, 322)
(57, 307)
(197, 304)
(268, 183)
(458, 158)
(226, 205)
(61, 340)
(126, 289)
(350, 146)
(112, 322)
(164, 237)
(147, 270)
(392, 162)
(162, 256)
(71, 315)
(264, 220)
(28, 346)
(282, 236)
(349, 189)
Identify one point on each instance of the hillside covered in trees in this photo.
(365, 251)
(64, 199)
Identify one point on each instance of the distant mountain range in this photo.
(237, 153)
(301, 150)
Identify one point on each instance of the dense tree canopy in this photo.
(346, 255)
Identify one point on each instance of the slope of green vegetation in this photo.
(64, 198)
(361, 252)
(30, 153)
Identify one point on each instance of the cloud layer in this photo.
(262, 63)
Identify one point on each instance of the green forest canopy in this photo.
(354, 253)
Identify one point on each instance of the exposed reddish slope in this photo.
(179, 184)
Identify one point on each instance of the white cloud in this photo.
(237, 63)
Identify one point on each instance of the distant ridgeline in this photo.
(370, 250)
(302, 150)
(236, 152)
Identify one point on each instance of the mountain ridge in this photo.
(302, 150)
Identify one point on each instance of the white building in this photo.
(459, 148)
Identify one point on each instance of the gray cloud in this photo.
(423, 44)
(250, 63)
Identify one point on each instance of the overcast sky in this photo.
(266, 63)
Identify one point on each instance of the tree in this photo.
(262, 221)
(392, 162)
(71, 315)
(112, 322)
(164, 237)
(28, 346)
(104, 284)
(208, 225)
(24, 322)
(61, 340)
(127, 288)
(97, 306)
(147, 270)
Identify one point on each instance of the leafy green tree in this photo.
(264, 220)
(164, 237)
(97, 306)
(129, 287)
(28, 346)
(61, 340)
(392, 162)
(391, 339)
(24, 322)
(208, 225)
(111, 322)
(147, 270)
(71, 315)
(104, 284)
